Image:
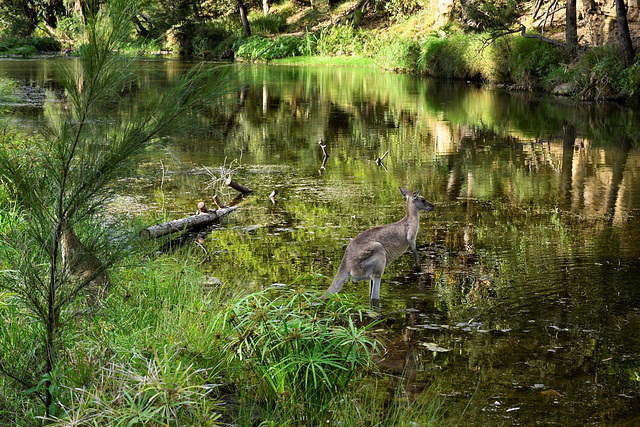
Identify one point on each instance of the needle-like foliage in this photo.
(67, 174)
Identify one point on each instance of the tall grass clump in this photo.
(456, 56)
(524, 62)
(303, 357)
(157, 390)
(270, 23)
(152, 356)
(400, 54)
(8, 96)
(382, 403)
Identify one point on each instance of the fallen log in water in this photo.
(203, 217)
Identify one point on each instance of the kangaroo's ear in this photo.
(404, 192)
(415, 194)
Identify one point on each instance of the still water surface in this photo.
(527, 308)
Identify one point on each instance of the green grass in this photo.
(167, 343)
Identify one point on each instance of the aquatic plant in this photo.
(304, 356)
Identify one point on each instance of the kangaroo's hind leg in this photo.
(374, 292)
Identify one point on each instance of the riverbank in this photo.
(413, 45)
(418, 40)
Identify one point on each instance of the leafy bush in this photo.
(28, 46)
(70, 27)
(25, 51)
(400, 9)
(303, 356)
(629, 83)
(607, 76)
(343, 40)
(45, 44)
(206, 39)
(598, 74)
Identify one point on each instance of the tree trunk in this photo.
(243, 17)
(623, 34)
(572, 26)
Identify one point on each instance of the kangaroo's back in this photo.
(368, 254)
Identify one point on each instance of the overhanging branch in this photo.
(523, 32)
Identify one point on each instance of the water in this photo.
(527, 308)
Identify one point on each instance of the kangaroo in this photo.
(83, 266)
(371, 251)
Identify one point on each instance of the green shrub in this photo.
(25, 51)
(400, 9)
(530, 60)
(70, 27)
(28, 46)
(206, 39)
(598, 74)
(343, 40)
(45, 44)
(629, 83)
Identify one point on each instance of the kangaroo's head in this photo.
(419, 202)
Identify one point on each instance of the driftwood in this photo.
(218, 203)
(203, 217)
(326, 156)
(239, 187)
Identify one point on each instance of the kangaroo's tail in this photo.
(338, 282)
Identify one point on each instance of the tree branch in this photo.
(523, 31)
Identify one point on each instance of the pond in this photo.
(527, 306)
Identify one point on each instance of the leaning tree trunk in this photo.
(623, 33)
(243, 17)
